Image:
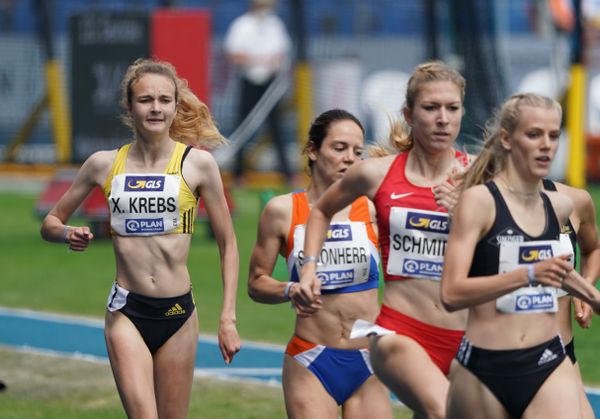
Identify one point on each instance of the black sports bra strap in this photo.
(185, 153)
(548, 185)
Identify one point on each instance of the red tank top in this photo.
(425, 223)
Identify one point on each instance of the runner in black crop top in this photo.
(567, 228)
(569, 308)
(504, 261)
(486, 256)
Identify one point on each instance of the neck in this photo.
(430, 166)
(317, 187)
(152, 151)
(517, 187)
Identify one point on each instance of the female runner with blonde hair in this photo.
(152, 186)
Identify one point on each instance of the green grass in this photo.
(44, 276)
(44, 387)
(47, 388)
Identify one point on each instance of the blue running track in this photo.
(81, 338)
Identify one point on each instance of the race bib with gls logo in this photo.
(537, 299)
(418, 240)
(345, 258)
(144, 204)
(566, 249)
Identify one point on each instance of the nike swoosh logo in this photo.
(400, 195)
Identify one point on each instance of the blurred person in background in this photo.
(258, 44)
(580, 229)
(152, 186)
(323, 368)
(405, 185)
(504, 261)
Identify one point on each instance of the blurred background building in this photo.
(354, 54)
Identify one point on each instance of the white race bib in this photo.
(529, 300)
(418, 240)
(144, 204)
(538, 299)
(345, 258)
(567, 248)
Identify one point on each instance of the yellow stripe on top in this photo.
(188, 203)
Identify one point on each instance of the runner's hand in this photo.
(307, 298)
(446, 195)
(229, 340)
(583, 313)
(78, 238)
(553, 271)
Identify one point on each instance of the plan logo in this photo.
(336, 277)
(415, 267)
(144, 183)
(144, 225)
(427, 222)
(534, 302)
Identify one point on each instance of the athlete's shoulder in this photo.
(279, 204)
(477, 195)
(199, 156)
(475, 208)
(562, 202)
(369, 172)
(371, 163)
(100, 161)
(277, 213)
(580, 197)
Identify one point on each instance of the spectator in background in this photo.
(258, 43)
(7, 15)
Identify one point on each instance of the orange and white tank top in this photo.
(349, 259)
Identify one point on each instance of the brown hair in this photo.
(193, 124)
(400, 138)
(492, 157)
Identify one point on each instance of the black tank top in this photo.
(567, 228)
(505, 229)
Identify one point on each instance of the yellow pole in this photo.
(576, 111)
(303, 101)
(59, 111)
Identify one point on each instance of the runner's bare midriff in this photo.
(154, 266)
(331, 325)
(420, 299)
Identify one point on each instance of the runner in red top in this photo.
(411, 191)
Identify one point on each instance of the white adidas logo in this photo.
(547, 356)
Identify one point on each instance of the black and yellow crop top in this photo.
(149, 204)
